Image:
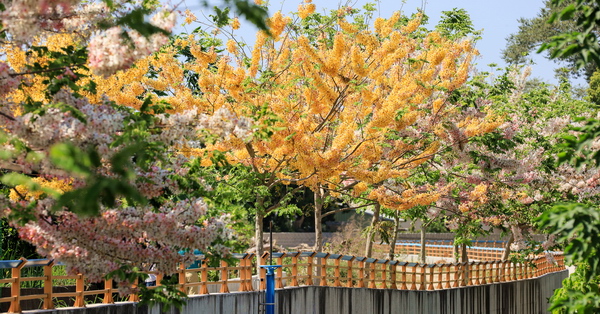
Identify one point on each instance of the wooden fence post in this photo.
(263, 272)
(15, 287)
(108, 290)
(457, 275)
(465, 274)
(203, 276)
(309, 269)
(336, 282)
(80, 288)
(371, 268)
(445, 271)
(431, 280)
(361, 272)
(423, 277)
(246, 273)
(481, 273)
(224, 277)
(350, 274)
(48, 302)
(403, 276)
(323, 266)
(294, 282)
(392, 265)
(502, 266)
(159, 279)
(384, 274)
(181, 277)
(413, 273)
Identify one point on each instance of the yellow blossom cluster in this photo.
(21, 192)
(478, 196)
(476, 126)
(235, 23)
(277, 24)
(479, 193)
(384, 27)
(189, 17)
(405, 200)
(306, 9)
(18, 59)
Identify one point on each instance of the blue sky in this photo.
(497, 19)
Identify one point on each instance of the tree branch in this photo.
(344, 209)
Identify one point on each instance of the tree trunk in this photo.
(371, 234)
(319, 200)
(506, 252)
(259, 236)
(463, 254)
(423, 252)
(455, 252)
(392, 251)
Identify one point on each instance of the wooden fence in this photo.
(298, 269)
(481, 250)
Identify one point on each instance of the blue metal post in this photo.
(270, 292)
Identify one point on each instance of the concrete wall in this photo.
(517, 297)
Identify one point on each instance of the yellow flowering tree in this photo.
(354, 104)
(341, 110)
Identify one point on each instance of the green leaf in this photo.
(70, 158)
(567, 13)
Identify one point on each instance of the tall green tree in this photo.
(576, 224)
(540, 31)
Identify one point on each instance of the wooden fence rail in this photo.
(298, 269)
(482, 250)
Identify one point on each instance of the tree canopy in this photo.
(539, 31)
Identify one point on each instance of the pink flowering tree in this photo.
(101, 187)
(503, 180)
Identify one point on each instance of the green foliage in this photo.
(593, 90)
(167, 295)
(58, 71)
(539, 31)
(254, 13)
(579, 44)
(577, 149)
(456, 24)
(577, 226)
(577, 295)
(136, 18)
(11, 246)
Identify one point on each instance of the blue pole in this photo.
(270, 292)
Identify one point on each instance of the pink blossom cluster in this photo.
(224, 123)
(583, 183)
(97, 245)
(28, 20)
(178, 128)
(24, 19)
(8, 82)
(156, 180)
(85, 17)
(111, 51)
